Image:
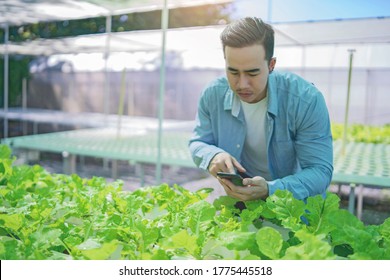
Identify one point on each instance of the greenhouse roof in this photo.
(337, 32)
(304, 33)
(370, 34)
(352, 31)
(18, 12)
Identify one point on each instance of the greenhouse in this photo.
(94, 155)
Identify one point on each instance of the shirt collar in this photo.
(272, 92)
(232, 102)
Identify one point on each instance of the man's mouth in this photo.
(244, 94)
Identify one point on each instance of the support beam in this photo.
(164, 27)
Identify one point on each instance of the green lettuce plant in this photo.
(53, 216)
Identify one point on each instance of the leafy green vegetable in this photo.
(312, 247)
(287, 209)
(270, 242)
(55, 216)
(363, 133)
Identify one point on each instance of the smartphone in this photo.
(235, 178)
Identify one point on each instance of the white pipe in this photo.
(164, 27)
(344, 143)
(269, 16)
(107, 91)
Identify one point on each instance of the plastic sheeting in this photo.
(18, 12)
(372, 31)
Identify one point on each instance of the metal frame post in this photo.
(164, 27)
(351, 51)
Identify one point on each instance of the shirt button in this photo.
(238, 146)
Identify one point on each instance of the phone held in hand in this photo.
(235, 178)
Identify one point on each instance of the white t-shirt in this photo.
(254, 156)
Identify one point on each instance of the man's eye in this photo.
(254, 74)
(234, 73)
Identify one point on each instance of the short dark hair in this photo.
(247, 32)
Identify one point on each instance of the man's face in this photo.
(247, 71)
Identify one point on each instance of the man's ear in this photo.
(272, 63)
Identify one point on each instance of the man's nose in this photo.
(243, 81)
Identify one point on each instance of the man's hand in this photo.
(224, 162)
(253, 189)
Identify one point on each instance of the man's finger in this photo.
(238, 165)
(229, 165)
(255, 181)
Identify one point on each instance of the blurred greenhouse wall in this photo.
(84, 91)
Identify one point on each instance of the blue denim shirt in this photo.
(299, 140)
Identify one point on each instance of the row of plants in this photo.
(362, 133)
(55, 216)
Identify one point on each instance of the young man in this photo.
(274, 127)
